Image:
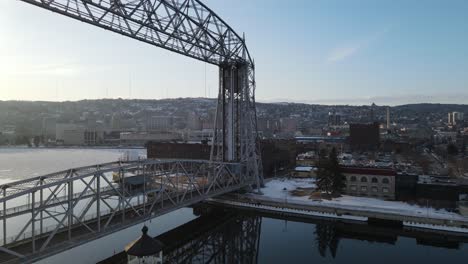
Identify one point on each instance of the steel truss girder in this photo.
(187, 27)
(66, 206)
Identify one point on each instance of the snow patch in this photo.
(279, 189)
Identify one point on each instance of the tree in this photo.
(324, 177)
(329, 177)
(338, 179)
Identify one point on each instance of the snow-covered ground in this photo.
(280, 190)
(275, 188)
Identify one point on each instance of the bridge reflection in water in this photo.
(237, 236)
(212, 238)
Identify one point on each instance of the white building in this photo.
(76, 135)
(159, 123)
(70, 134)
(455, 117)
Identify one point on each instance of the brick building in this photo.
(364, 136)
(371, 182)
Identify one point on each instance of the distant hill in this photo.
(30, 115)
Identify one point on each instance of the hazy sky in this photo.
(330, 51)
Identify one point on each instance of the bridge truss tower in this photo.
(190, 28)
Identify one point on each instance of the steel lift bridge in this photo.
(47, 214)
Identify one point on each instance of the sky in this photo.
(310, 51)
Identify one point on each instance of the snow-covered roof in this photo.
(305, 168)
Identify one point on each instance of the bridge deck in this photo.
(167, 186)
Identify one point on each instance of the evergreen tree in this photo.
(338, 179)
(329, 177)
(324, 177)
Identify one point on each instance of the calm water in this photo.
(22, 163)
(337, 243)
(247, 238)
(240, 237)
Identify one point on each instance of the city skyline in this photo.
(321, 52)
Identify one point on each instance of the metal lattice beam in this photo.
(86, 203)
(187, 27)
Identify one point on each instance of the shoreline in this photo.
(331, 212)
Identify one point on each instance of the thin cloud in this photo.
(341, 53)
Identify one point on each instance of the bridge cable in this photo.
(205, 82)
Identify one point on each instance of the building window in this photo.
(363, 188)
(353, 178)
(374, 180)
(374, 189)
(353, 188)
(363, 179)
(385, 181)
(385, 189)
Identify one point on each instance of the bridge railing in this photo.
(90, 200)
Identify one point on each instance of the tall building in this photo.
(334, 119)
(388, 117)
(372, 113)
(455, 118)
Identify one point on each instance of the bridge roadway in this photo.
(167, 186)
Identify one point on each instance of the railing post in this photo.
(121, 201)
(144, 192)
(177, 183)
(41, 198)
(98, 200)
(33, 221)
(70, 207)
(4, 217)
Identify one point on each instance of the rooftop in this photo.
(144, 246)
